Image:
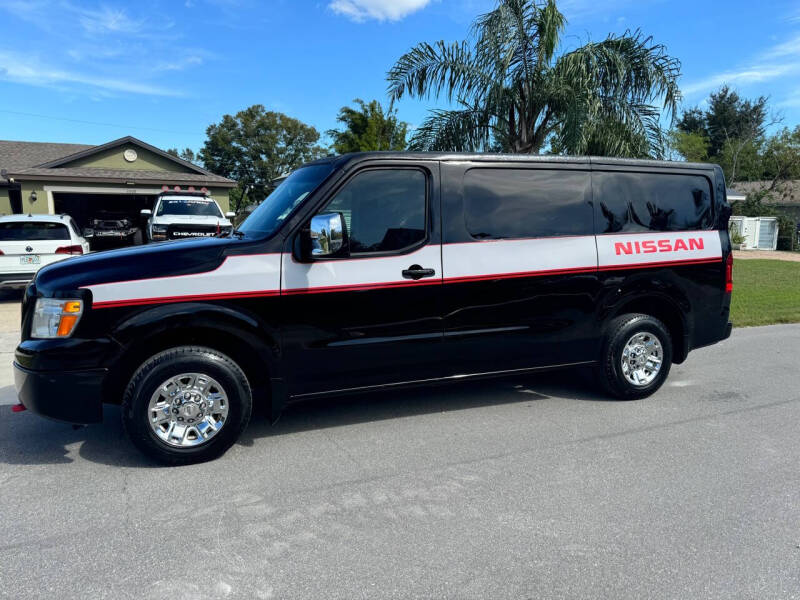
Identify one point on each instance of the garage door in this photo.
(86, 208)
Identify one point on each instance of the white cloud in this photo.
(379, 10)
(179, 64)
(19, 68)
(745, 76)
(788, 48)
(109, 20)
(778, 61)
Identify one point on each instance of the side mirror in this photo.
(327, 234)
(230, 215)
(146, 212)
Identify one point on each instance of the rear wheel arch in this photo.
(666, 310)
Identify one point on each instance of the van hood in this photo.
(165, 259)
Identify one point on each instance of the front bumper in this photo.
(112, 233)
(71, 396)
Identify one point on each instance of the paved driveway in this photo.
(533, 487)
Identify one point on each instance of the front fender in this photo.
(254, 336)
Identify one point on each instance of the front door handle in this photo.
(416, 272)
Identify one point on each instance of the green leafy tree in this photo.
(186, 154)
(733, 129)
(693, 146)
(254, 147)
(730, 118)
(514, 93)
(367, 127)
(781, 157)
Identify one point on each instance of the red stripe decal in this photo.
(571, 271)
(360, 287)
(173, 299)
(669, 263)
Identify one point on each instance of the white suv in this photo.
(181, 215)
(29, 242)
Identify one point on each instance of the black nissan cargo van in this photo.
(380, 270)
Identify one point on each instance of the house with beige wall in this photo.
(117, 178)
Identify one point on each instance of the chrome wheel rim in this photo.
(642, 357)
(188, 410)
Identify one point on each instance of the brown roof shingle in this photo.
(21, 155)
(23, 160)
(787, 192)
(156, 177)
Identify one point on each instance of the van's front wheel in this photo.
(186, 405)
(637, 356)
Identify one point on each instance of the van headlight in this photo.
(55, 317)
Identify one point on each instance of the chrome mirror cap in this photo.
(327, 234)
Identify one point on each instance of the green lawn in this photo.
(765, 292)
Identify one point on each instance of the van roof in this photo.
(511, 158)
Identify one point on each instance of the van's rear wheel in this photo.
(186, 405)
(637, 356)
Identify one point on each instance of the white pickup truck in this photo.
(182, 215)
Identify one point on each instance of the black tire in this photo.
(174, 362)
(138, 238)
(610, 371)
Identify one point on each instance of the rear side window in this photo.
(384, 209)
(32, 231)
(526, 203)
(631, 202)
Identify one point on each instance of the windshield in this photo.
(272, 212)
(193, 207)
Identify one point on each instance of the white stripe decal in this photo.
(257, 274)
(621, 250)
(359, 272)
(519, 257)
(274, 274)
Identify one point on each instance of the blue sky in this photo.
(87, 72)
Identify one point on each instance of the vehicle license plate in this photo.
(31, 259)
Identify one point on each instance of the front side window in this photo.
(32, 231)
(639, 202)
(188, 207)
(384, 210)
(526, 203)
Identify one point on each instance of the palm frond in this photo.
(515, 94)
(464, 130)
(428, 70)
(629, 66)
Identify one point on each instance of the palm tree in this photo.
(513, 94)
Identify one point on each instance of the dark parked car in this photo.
(375, 271)
(113, 228)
